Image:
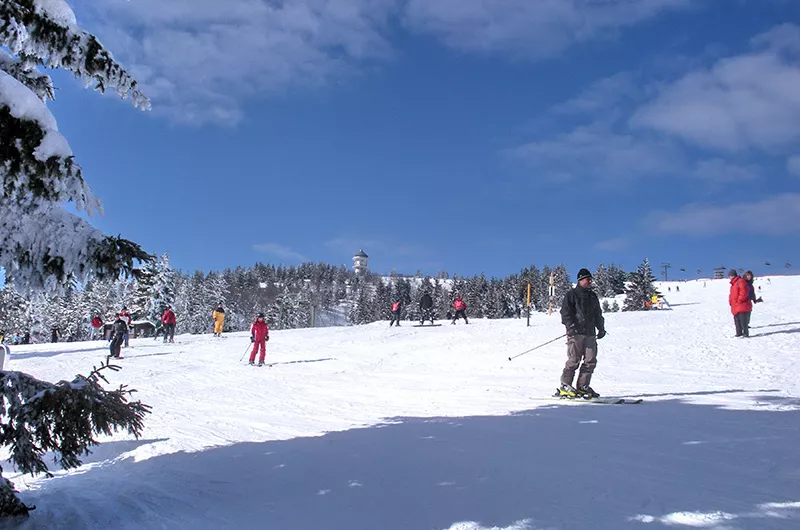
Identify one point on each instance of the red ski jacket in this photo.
(396, 306)
(459, 304)
(97, 323)
(739, 298)
(169, 317)
(259, 330)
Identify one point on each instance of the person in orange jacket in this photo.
(259, 335)
(741, 305)
(219, 320)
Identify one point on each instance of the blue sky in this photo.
(459, 135)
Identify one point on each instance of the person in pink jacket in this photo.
(259, 335)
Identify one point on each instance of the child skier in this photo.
(259, 335)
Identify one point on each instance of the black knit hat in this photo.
(732, 273)
(584, 273)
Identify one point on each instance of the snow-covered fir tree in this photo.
(562, 283)
(14, 322)
(61, 420)
(601, 283)
(617, 278)
(163, 293)
(42, 244)
(640, 288)
(533, 276)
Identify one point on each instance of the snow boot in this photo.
(586, 392)
(261, 363)
(252, 363)
(566, 391)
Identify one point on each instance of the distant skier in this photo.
(677, 288)
(741, 306)
(581, 315)
(219, 320)
(425, 308)
(168, 320)
(97, 325)
(259, 335)
(127, 318)
(118, 331)
(397, 306)
(460, 307)
(54, 334)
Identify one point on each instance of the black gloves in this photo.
(252, 338)
(601, 334)
(267, 338)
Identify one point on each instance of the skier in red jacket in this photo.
(397, 306)
(168, 320)
(461, 310)
(741, 305)
(97, 324)
(259, 335)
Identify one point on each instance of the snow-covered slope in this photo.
(372, 427)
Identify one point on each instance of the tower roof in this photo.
(361, 254)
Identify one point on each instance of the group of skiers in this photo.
(259, 331)
(120, 329)
(426, 310)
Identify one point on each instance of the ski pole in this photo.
(245, 352)
(537, 347)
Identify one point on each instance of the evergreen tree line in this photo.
(291, 296)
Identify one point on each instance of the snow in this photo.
(25, 105)
(58, 11)
(372, 427)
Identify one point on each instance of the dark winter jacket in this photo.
(581, 313)
(426, 302)
(119, 329)
(752, 290)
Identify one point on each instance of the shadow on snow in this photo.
(657, 465)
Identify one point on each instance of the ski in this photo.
(599, 400)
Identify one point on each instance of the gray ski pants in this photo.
(580, 347)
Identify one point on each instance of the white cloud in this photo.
(594, 151)
(279, 251)
(602, 96)
(613, 245)
(793, 165)
(199, 58)
(740, 103)
(528, 28)
(722, 171)
(775, 216)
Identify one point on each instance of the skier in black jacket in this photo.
(581, 314)
(425, 308)
(118, 331)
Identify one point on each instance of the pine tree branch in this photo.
(25, 32)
